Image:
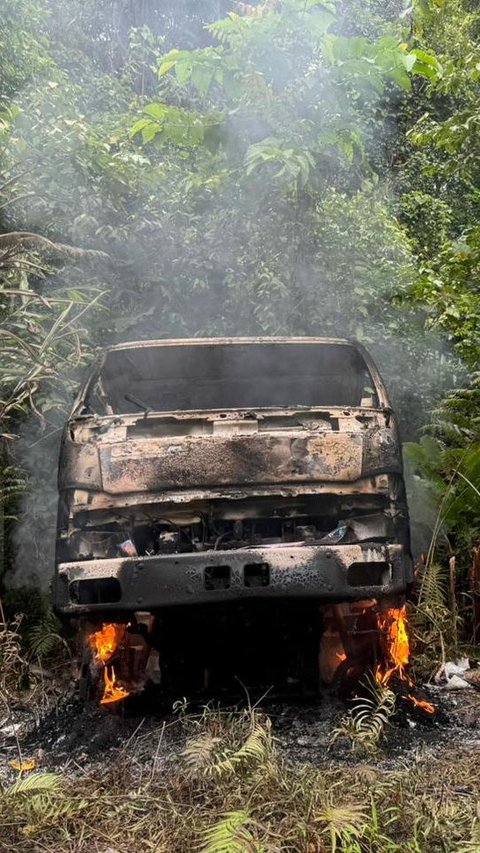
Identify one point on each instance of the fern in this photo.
(231, 834)
(254, 751)
(364, 725)
(457, 420)
(42, 638)
(447, 464)
(344, 824)
(228, 29)
(12, 484)
(38, 801)
(34, 783)
(46, 811)
(198, 752)
(15, 677)
(434, 620)
(433, 590)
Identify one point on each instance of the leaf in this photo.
(36, 783)
(365, 723)
(409, 60)
(252, 752)
(166, 66)
(150, 131)
(157, 111)
(183, 71)
(230, 834)
(198, 753)
(320, 22)
(426, 65)
(139, 126)
(22, 766)
(169, 61)
(401, 78)
(202, 78)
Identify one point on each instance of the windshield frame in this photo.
(83, 407)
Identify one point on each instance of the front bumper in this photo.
(318, 572)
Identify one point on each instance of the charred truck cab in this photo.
(201, 477)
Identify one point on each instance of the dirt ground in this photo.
(73, 738)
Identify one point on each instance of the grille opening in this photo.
(100, 591)
(217, 577)
(223, 525)
(368, 574)
(257, 574)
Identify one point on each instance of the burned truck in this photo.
(219, 496)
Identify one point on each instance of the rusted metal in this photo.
(235, 502)
(180, 579)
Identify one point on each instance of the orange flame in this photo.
(113, 692)
(104, 644)
(420, 703)
(393, 625)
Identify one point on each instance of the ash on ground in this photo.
(76, 739)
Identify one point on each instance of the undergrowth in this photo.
(364, 726)
(35, 660)
(221, 786)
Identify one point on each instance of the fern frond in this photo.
(345, 818)
(231, 834)
(433, 589)
(33, 784)
(198, 752)
(47, 810)
(364, 725)
(38, 801)
(253, 752)
(43, 637)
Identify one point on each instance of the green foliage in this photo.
(35, 783)
(23, 46)
(286, 114)
(282, 806)
(447, 133)
(36, 802)
(206, 756)
(293, 163)
(251, 753)
(43, 639)
(364, 725)
(177, 126)
(38, 630)
(448, 463)
(344, 825)
(14, 675)
(231, 835)
(39, 339)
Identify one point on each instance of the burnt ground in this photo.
(73, 738)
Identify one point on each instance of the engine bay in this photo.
(226, 525)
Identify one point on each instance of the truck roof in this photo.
(163, 342)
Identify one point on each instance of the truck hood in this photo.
(159, 452)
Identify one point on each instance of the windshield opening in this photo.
(230, 376)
